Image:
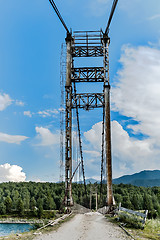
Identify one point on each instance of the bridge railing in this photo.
(139, 214)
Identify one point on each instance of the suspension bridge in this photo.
(84, 44)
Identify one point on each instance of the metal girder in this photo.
(68, 200)
(88, 101)
(87, 51)
(87, 74)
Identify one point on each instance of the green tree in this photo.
(20, 207)
(2, 209)
(15, 197)
(127, 203)
(40, 211)
(8, 204)
(147, 202)
(137, 201)
(32, 203)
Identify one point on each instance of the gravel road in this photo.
(88, 226)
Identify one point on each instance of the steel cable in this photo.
(58, 14)
(111, 15)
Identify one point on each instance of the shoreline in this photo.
(21, 221)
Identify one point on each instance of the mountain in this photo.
(90, 180)
(146, 178)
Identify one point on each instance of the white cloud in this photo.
(137, 92)
(129, 154)
(11, 173)
(27, 113)
(136, 95)
(43, 113)
(46, 137)
(5, 101)
(17, 139)
(19, 103)
(92, 153)
(154, 17)
(48, 112)
(94, 136)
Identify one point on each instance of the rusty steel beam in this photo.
(88, 101)
(68, 200)
(108, 146)
(87, 74)
(106, 42)
(87, 51)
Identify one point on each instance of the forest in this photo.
(31, 199)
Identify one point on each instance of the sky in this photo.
(30, 50)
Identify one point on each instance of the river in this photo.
(8, 228)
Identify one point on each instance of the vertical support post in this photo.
(68, 201)
(96, 200)
(106, 42)
(90, 203)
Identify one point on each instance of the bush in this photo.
(48, 214)
(130, 221)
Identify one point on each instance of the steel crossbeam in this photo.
(88, 74)
(88, 101)
(87, 51)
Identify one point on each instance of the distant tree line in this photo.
(139, 198)
(30, 198)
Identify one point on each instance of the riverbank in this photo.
(46, 228)
(21, 221)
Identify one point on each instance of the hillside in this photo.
(146, 178)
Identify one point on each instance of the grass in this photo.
(131, 221)
(151, 228)
(30, 235)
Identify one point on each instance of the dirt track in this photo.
(89, 226)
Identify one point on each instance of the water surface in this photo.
(8, 228)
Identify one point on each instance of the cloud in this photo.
(46, 137)
(129, 154)
(154, 17)
(94, 136)
(136, 94)
(27, 113)
(92, 153)
(44, 113)
(19, 103)
(17, 139)
(137, 91)
(48, 112)
(132, 155)
(5, 101)
(11, 173)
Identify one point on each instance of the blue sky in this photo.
(30, 47)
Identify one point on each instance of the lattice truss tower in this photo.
(88, 44)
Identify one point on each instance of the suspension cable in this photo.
(111, 15)
(80, 146)
(58, 14)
